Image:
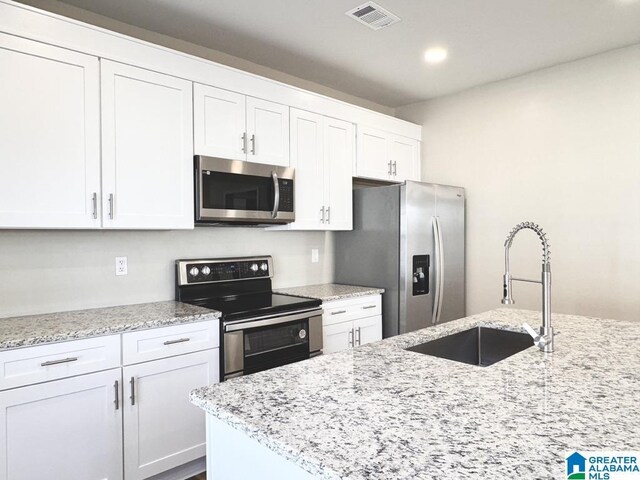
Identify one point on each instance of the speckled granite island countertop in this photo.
(330, 291)
(380, 412)
(58, 327)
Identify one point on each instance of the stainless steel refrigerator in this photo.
(409, 240)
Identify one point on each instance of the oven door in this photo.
(242, 192)
(260, 344)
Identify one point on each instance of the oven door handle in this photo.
(276, 195)
(270, 320)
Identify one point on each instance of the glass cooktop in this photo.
(237, 307)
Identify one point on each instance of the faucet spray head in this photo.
(507, 299)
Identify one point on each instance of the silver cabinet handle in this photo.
(94, 202)
(358, 336)
(132, 382)
(389, 171)
(117, 400)
(57, 362)
(395, 169)
(351, 337)
(338, 312)
(366, 307)
(276, 195)
(328, 214)
(244, 142)
(111, 206)
(322, 214)
(179, 340)
(253, 144)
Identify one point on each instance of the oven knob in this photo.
(206, 270)
(193, 271)
(264, 267)
(302, 334)
(254, 267)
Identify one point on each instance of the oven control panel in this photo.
(206, 271)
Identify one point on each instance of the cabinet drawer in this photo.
(169, 341)
(351, 309)
(25, 366)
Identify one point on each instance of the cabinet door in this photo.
(268, 131)
(69, 429)
(373, 154)
(147, 149)
(337, 337)
(162, 429)
(219, 123)
(368, 329)
(338, 164)
(49, 136)
(405, 158)
(306, 158)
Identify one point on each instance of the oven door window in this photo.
(272, 346)
(232, 191)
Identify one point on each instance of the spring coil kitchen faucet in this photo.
(544, 339)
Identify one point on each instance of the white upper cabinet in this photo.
(147, 149)
(405, 158)
(232, 125)
(307, 159)
(268, 132)
(219, 123)
(49, 136)
(322, 151)
(386, 156)
(339, 150)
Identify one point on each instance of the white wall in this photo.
(560, 147)
(47, 271)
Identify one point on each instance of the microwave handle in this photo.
(276, 195)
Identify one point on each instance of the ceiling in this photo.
(487, 40)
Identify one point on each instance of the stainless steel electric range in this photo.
(259, 329)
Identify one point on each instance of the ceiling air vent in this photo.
(373, 16)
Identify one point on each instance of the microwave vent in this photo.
(373, 16)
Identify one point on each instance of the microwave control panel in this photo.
(286, 195)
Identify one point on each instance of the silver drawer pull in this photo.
(56, 362)
(368, 306)
(180, 340)
(338, 312)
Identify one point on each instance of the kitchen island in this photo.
(381, 412)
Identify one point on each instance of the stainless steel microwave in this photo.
(245, 193)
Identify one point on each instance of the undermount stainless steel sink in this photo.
(482, 346)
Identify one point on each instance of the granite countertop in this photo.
(58, 327)
(330, 291)
(381, 412)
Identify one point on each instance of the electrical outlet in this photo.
(315, 255)
(121, 265)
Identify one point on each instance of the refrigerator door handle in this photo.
(440, 269)
(439, 264)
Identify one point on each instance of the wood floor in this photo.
(202, 476)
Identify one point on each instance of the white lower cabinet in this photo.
(66, 429)
(59, 421)
(351, 323)
(162, 429)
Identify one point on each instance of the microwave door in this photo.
(243, 192)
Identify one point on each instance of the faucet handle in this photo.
(535, 335)
(540, 340)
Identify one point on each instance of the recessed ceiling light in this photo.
(435, 55)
